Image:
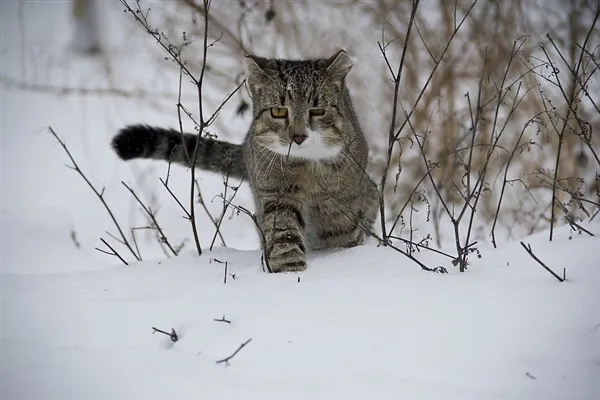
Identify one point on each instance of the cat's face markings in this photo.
(295, 105)
(297, 137)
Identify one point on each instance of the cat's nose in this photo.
(298, 139)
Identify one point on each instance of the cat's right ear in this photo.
(255, 68)
(254, 65)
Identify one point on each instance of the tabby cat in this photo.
(304, 155)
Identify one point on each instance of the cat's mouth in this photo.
(311, 146)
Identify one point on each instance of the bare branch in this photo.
(530, 252)
(227, 359)
(173, 335)
(112, 253)
(222, 319)
(152, 216)
(97, 193)
(391, 139)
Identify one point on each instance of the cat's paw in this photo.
(287, 254)
(286, 266)
(287, 260)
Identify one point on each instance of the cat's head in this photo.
(297, 104)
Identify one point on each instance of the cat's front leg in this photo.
(283, 225)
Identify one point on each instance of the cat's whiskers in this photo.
(271, 162)
(266, 159)
(262, 157)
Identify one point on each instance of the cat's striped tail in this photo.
(143, 141)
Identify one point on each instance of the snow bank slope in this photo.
(360, 323)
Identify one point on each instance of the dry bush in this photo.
(495, 57)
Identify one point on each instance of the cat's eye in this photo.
(316, 112)
(279, 112)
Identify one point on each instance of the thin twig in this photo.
(226, 360)
(152, 217)
(391, 139)
(530, 252)
(222, 319)
(220, 26)
(422, 246)
(225, 206)
(200, 131)
(173, 335)
(187, 214)
(263, 240)
(505, 180)
(141, 18)
(214, 116)
(561, 135)
(98, 194)
(134, 239)
(435, 67)
(214, 222)
(114, 252)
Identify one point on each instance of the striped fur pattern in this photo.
(143, 141)
(304, 155)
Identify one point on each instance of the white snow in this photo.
(359, 323)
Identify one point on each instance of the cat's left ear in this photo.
(338, 65)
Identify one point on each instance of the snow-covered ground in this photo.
(359, 323)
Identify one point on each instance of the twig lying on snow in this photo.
(226, 265)
(222, 319)
(226, 360)
(173, 335)
(528, 250)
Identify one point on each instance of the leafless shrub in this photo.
(486, 42)
(478, 115)
(100, 195)
(175, 52)
(161, 237)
